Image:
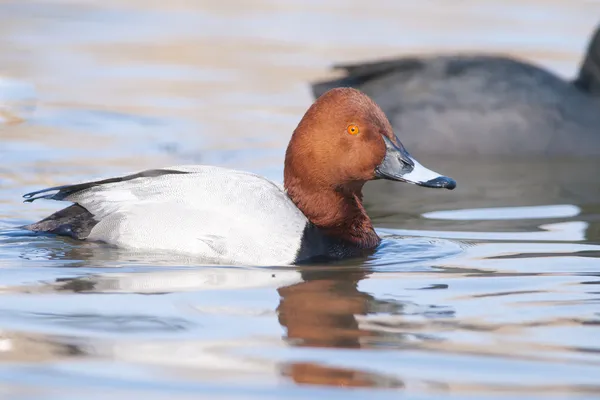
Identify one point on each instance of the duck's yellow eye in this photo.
(353, 129)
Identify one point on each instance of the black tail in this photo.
(74, 221)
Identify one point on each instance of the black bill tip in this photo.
(441, 182)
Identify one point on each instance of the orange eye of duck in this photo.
(353, 129)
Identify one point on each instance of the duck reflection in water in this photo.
(321, 312)
(318, 308)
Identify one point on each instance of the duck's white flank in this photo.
(218, 214)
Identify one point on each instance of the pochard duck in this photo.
(228, 216)
(483, 105)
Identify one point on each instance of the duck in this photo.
(227, 216)
(483, 105)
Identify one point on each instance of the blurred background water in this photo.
(489, 290)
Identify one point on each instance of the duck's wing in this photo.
(62, 192)
(76, 221)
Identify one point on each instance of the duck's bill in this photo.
(398, 165)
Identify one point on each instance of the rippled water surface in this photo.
(491, 290)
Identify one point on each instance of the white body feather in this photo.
(217, 214)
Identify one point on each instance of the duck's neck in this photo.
(589, 78)
(338, 213)
(589, 72)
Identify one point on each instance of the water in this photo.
(491, 290)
